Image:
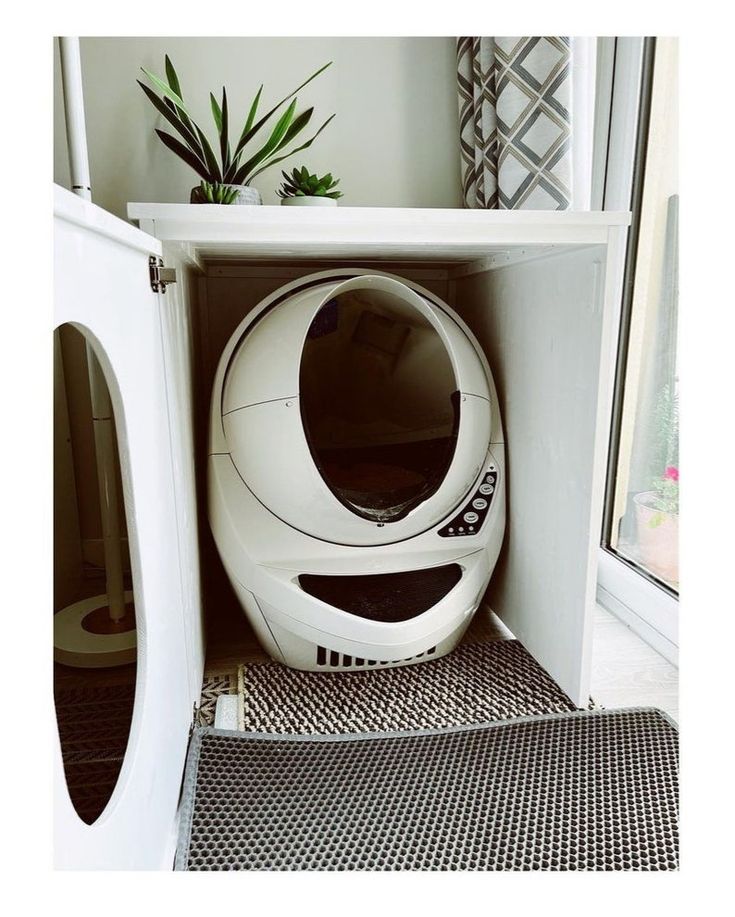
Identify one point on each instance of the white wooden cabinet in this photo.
(539, 291)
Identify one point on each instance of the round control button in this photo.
(486, 488)
(479, 503)
(461, 528)
(470, 517)
(451, 529)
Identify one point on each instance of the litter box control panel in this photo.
(470, 518)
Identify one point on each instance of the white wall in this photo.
(394, 141)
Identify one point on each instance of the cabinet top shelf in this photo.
(216, 232)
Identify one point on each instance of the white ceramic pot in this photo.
(245, 195)
(658, 538)
(308, 201)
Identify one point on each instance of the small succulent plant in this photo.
(214, 193)
(302, 183)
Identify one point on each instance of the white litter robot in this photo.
(356, 472)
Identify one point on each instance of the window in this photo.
(642, 506)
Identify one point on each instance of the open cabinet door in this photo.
(102, 286)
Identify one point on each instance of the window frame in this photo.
(623, 106)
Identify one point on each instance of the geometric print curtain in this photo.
(515, 106)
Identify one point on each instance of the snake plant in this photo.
(302, 183)
(226, 166)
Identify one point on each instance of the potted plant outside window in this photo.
(657, 509)
(657, 517)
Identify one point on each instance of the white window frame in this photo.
(648, 609)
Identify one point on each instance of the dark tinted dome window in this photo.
(379, 403)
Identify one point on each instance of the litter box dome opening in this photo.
(379, 402)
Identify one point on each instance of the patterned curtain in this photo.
(515, 122)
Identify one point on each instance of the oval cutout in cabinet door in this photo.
(95, 647)
(379, 403)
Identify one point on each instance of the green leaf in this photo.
(172, 77)
(251, 113)
(279, 131)
(224, 143)
(251, 131)
(230, 173)
(297, 149)
(211, 160)
(298, 124)
(166, 90)
(169, 113)
(176, 146)
(173, 81)
(216, 112)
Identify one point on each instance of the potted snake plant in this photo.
(226, 175)
(305, 189)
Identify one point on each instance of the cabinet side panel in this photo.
(541, 326)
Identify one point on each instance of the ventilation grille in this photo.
(387, 597)
(332, 658)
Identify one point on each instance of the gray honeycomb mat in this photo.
(477, 683)
(577, 791)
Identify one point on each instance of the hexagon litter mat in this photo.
(574, 791)
(477, 683)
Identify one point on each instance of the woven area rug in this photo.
(213, 685)
(477, 683)
(572, 791)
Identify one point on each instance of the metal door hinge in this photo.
(160, 276)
